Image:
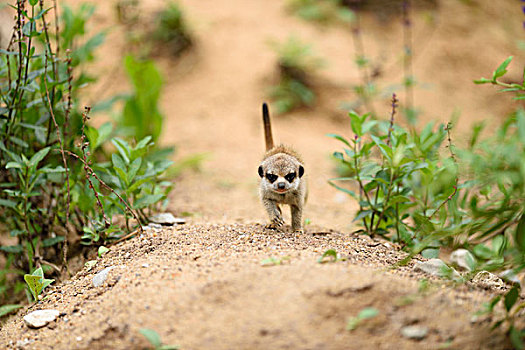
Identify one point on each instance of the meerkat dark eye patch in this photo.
(290, 177)
(260, 171)
(271, 177)
(301, 171)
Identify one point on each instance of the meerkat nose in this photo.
(281, 185)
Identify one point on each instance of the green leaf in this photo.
(362, 214)
(356, 122)
(482, 251)
(123, 148)
(152, 336)
(511, 297)
(143, 143)
(502, 69)
(367, 313)
(516, 337)
(169, 347)
(329, 253)
(133, 169)
(6, 309)
(118, 162)
(430, 253)
(482, 81)
(147, 200)
(48, 242)
(7, 203)
(39, 272)
(35, 285)
(342, 189)
(340, 138)
(16, 249)
(104, 132)
(352, 323)
(37, 157)
(13, 165)
(102, 250)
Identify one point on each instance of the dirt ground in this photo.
(202, 285)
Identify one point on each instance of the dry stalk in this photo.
(64, 161)
(453, 156)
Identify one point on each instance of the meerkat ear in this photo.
(301, 171)
(260, 170)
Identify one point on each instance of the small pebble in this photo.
(414, 332)
(166, 219)
(40, 318)
(101, 276)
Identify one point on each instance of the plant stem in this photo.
(64, 161)
(359, 57)
(407, 59)
(361, 187)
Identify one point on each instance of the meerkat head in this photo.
(281, 173)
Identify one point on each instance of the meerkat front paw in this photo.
(278, 220)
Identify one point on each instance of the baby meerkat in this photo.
(282, 180)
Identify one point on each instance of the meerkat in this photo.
(283, 180)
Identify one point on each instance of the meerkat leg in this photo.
(297, 218)
(274, 212)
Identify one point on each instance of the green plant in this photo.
(511, 306)
(365, 314)
(519, 89)
(141, 114)
(330, 253)
(49, 189)
(402, 182)
(155, 340)
(275, 261)
(321, 11)
(39, 121)
(289, 94)
(296, 63)
(37, 283)
(472, 197)
(172, 29)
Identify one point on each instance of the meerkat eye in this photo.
(290, 177)
(271, 177)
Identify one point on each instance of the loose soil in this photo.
(203, 285)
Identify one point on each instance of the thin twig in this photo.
(91, 172)
(64, 161)
(453, 156)
(360, 55)
(69, 91)
(392, 115)
(407, 59)
(129, 235)
(390, 129)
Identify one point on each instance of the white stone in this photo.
(414, 332)
(166, 219)
(101, 276)
(463, 258)
(40, 318)
(437, 267)
(488, 280)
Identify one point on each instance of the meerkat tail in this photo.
(267, 127)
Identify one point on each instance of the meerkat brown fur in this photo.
(282, 180)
